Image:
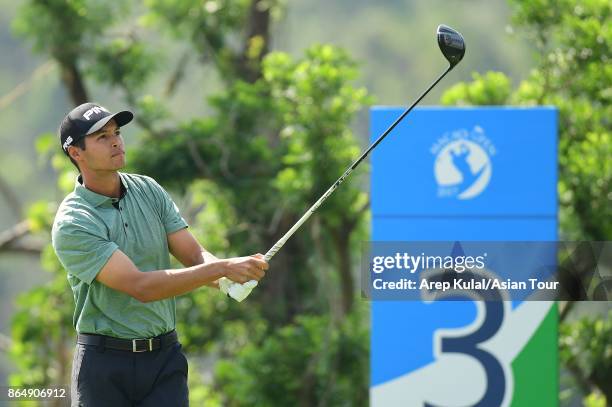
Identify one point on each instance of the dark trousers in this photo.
(117, 378)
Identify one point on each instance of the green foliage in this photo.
(132, 62)
(200, 392)
(588, 343)
(65, 29)
(315, 102)
(309, 362)
(586, 347)
(595, 400)
(209, 323)
(40, 215)
(212, 28)
(574, 39)
(492, 88)
(41, 327)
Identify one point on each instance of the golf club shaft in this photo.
(281, 242)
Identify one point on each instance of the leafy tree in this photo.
(42, 332)
(492, 88)
(586, 350)
(311, 358)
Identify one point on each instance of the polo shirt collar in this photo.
(95, 199)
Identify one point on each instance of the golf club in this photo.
(452, 45)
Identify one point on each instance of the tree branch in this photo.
(73, 80)
(177, 75)
(353, 222)
(19, 230)
(25, 86)
(585, 384)
(197, 158)
(565, 310)
(11, 240)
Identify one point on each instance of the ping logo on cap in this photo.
(94, 110)
(67, 142)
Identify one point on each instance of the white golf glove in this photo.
(236, 290)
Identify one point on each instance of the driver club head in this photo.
(451, 44)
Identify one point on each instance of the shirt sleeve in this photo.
(170, 215)
(82, 246)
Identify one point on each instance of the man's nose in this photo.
(116, 140)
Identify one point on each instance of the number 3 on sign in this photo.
(468, 341)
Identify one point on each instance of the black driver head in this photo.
(451, 43)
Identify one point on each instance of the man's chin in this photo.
(118, 163)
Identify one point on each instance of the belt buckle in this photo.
(149, 340)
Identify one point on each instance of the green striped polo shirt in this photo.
(87, 230)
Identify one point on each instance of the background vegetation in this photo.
(247, 111)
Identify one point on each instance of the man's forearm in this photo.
(208, 257)
(161, 284)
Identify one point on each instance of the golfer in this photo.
(114, 235)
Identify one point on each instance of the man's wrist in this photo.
(221, 267)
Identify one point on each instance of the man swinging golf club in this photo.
(114, 234)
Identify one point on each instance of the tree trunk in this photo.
(258, 28)
(283, 290)
(341, 238)
(73, 80)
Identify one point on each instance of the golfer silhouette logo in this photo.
(462, 167)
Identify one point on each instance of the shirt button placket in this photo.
(123, 222)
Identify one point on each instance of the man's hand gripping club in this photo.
(242, 276)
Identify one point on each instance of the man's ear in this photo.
(74, 153)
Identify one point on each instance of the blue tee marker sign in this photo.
(464, 174)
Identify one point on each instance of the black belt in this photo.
(131, 345)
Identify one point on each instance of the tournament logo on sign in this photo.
(463, 165)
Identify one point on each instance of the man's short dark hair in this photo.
(80, 143)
